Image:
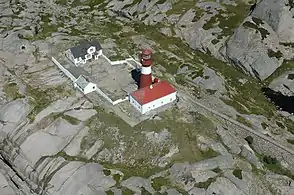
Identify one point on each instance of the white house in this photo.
(84, 85)
(84, 51)
(153, 96)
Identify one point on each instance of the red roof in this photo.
(149, 94)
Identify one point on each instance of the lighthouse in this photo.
(146, 61)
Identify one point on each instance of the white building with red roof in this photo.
(153, 96)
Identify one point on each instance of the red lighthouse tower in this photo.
(146, 61)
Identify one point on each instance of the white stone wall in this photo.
(135, 104)
(159, 102)
(154, 104)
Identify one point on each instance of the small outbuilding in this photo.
(84, 85)
(153, 96)
(84, 51)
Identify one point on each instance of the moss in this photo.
(130, 171)
(286, 66)
(158, 182)
(71, 119)
(206, 183)
(276, 54)
(72, 158)
(290, 141)
(61, 2)
(116, 177)
(237, 173)
(40, 99)
(228, 20)
(263, 32)
(272, 164)
(109, 192)
(181, 7)
(11, 91)
(209, 153)
(243, 121)
(126, 191)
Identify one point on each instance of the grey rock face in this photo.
(279, 16)
(284, 84)
(281, 184)
(80, 178)
(223, 186)
(254, 48)
(136, 183)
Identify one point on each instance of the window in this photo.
(93, 87)
(88, 56)
(170, 99)
(161, 102)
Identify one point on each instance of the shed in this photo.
(84, 85)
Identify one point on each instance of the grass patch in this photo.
(273, 165)
(290, 141)
(11, 91)
(286, 66)
(181, 7)
(243, 121)
(228, 24)
(276, 54)
(71, 119)
(43, 98)
(158, 182)
(237, 173)
(256, 25)
(205, 184)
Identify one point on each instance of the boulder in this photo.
(254, 49)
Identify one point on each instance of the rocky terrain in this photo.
(223, 53)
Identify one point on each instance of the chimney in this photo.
(146, 75)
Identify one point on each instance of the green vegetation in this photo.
(205, 184)
(263, 32)
(237, 173)
(286, 66)
(228, 24)
(291, 141)
(40, 99)
(276, 54)
(11, 91)
(244, 121)
(158, 182)
(71, 119)
(181, 7)
(273, 165)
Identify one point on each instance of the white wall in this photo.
(90, 88)
(159, 102)
(135, 104)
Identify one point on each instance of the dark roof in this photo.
(80, 50)
(77, 71)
